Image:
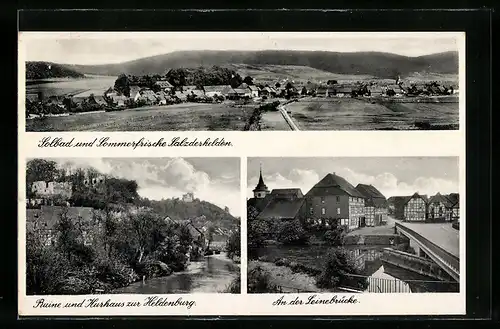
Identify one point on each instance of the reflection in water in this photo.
(210, 275)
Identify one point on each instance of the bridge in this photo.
(438, 242)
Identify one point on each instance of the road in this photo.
(441, 234)
(287, 118)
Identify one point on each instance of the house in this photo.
(100, 100)
(243, 91)
(110, 92)
(375, 205)
(455, 205)
(196, 92)
(220, 90)
(279, 204)
(441, 207)
(118, 100)
(164, 85)
(254, 91)
(284, 204)
(135, 92)
(188, 197)
(395, 206)
(394, 88)
(343, 91)
(162, 97)
(44, 189)
(44, 222)
(322, 91)
(268, 92)
(180, 95)
(148, 96)
(375, 91)
(334, 198)
(415, 208)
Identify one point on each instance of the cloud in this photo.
(167, 178)
(386, 182)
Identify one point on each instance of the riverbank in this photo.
(286, 279)
(212, 274)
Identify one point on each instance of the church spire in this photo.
(260, 190)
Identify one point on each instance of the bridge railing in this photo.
(450, 260)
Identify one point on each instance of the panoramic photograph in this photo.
(132, 226)
(361, 225)
(232, 81)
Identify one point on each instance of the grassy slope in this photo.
(382, 65)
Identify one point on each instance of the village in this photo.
(86, 210)
(292, 231)
(157, 90)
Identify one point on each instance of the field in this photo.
(178, 117)
(361, 114)
(61, 87)
(299, 74)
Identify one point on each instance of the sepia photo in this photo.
(228, 81)
(132, 226)
(357, 225)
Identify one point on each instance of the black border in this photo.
(476, 23)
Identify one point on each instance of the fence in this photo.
(287, 289)
(384, 285)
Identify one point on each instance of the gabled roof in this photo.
(416, 195)
(441, 198)
(242, 91)
(243, 86)
(164, 84)
(282, 209)
(32, 97)
(454, 199)
(134, 90)
(253, 88)
(259, 203)
(344, 90)
(217, 88)
(369, 191)
(287, 192)
(332, 184)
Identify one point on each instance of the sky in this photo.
(216, 180)
(88, 48)
(392, 176)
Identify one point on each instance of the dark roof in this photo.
(441, 198)
(217, 88)
(344, 90)
(454, 198)
(282, 209)
(164, 84)
(287, 192)
(416, 195)
(259, 203)
(332, 184)
(260, 185)
(369, 191)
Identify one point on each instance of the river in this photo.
(213, 274)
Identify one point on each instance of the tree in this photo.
(248, 80)
(332, 82)
(291, 233)
(210, 235)
(122, 85)
(233, 244)
(304, 91)
(334, 236)
(337, 266)
(289, 85)
(277, 85)
(144, 226)
(236, 80)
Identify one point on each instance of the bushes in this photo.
(233, 244)
(334, 237)
(259, 281)
(235, 286)
(292, 233)
(337, 266)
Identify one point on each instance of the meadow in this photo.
(177, 117)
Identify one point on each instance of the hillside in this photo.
(202, 213)
(46, 70)
(382, 65)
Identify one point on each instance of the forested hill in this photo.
(383, 65)
(179, 210)
(46, 70)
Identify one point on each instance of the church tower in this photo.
(260, 190)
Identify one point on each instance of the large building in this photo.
(334, 198)
(415, 208)
(279, 204)
(375, 205)
(443, 207)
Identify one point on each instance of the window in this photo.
(322, 199)
(311, 210)
(323, 211)
(338, 199)
(338, 211)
